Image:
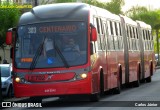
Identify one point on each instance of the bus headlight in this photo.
(17, 79)
(20, 80)
(82, 76)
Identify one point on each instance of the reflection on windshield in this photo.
(65, 45)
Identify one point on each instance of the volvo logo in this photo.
(49, 77)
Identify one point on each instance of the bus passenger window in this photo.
(137, 33)
(120, 30)
(111, 27)
(144, 35)
(116, 28)
(102, 29)
(98, 26)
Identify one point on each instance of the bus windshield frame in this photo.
(33, 38)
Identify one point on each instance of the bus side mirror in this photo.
(93, 34)
(9, 37)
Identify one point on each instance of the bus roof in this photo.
(104, 13)
(143, 25)
(129, 20)
(59, 11)
(64, 11)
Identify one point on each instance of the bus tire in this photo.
(148, 79)
(136, 83)
(117, 90)
(94, 97)
(142, 80)
(101, 83)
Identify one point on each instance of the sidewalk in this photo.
(157, 67)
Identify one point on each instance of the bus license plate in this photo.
(36, 78)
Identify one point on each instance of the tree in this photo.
(9, 16)
(151, 17)
(115, 6)
(63, 1)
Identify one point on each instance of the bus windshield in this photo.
(52, 44)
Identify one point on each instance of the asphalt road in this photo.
(133, 98)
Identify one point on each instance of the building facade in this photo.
(5, 55)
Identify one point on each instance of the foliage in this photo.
(115, 6)
(151, 17)
(63, 1)
(8, 18)
(135, 10)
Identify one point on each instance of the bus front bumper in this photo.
(53, 88)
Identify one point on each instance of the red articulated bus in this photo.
(78, 49)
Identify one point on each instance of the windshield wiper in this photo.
(60, 54)
(37, 54)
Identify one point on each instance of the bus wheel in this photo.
(94, 97)
(101, 84)
(117, 90)
(148, 79)
(142, 80)
(136, 83)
